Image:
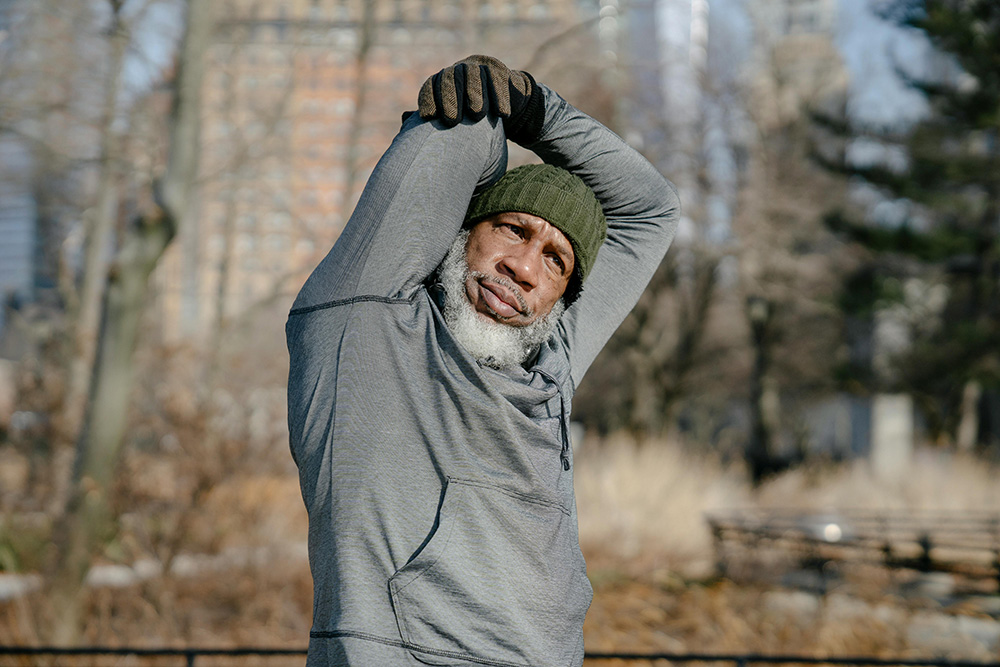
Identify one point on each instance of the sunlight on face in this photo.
(491, 342)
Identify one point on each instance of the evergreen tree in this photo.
(948, 240)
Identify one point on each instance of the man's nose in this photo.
(521, 266)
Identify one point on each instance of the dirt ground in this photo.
(242, 579)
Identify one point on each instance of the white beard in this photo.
(492, 343)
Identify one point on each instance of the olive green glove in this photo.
(483, 86)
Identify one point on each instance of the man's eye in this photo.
(514, 229)
(557, 260)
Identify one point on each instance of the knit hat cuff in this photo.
(555, 195)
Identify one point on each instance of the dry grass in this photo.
(641, 524)
(725, 618)
(252, 605)
(934, 481)
(644, 504)
(650, 555)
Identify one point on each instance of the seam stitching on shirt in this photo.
(334, 634)
(346, 302)
(514, 494)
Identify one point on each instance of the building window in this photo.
(305, 246)
(280, 199)
(539, 10)
(272, 242)
(343, 13)
(246, 243)
(280, 220)
(803, 16)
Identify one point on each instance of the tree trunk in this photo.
(97, 244)
(352, 160)
(89, 520)
(760, 314)
(84, 528)
(968, 425)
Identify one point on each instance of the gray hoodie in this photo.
(442, 522)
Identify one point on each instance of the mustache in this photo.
(522, 305)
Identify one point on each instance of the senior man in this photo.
(434, 355)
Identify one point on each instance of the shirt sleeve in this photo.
(410, 211)
(642, 211)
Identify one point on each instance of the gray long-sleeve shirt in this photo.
(442, 522)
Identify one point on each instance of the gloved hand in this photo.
(479, 86)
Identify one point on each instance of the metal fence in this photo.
(965, 544)
(55, 657)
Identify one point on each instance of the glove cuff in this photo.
(527, 126)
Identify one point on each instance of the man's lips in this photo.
(500, 299)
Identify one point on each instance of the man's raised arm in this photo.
(409, 213)
(641, 207)
(642, 211)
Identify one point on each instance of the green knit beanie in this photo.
(558, 197)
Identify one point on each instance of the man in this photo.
(434, 355)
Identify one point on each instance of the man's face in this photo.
(519, 267)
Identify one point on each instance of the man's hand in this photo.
(480, 86)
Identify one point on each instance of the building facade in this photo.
(301, 98)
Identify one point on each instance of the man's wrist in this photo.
(526, 127)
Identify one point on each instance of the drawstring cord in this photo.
(564, 454)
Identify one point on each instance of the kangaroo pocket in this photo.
(501, 580)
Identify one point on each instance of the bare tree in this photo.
(81, 531)
(99, 228)
(366, 40)
(786, 257)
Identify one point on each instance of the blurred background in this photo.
(789, 447)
